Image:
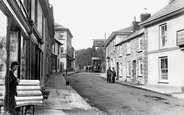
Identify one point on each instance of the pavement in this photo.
(63, 99)
(161, 90)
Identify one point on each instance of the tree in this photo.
(83, 56)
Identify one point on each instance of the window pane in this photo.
(3, 52)
(163, 41)
(23, 59)
(164, 68)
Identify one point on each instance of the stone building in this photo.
(130, 54)
(110, 49)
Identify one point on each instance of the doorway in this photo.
(134, 71)
(117, 66)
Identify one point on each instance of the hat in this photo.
(14, 63)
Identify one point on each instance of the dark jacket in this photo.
(114, 73)
(13, 84)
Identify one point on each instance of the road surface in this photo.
(116, 99)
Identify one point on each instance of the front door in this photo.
(117, 71)
(134, 71)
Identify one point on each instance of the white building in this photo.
(164, 34)
(63, 35)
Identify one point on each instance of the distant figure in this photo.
(86, 68)
(113, 75)
(89, 68)
(13, 82)
(109, 75)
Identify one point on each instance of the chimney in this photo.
(170, 1)
(144, 16)
(135, 25)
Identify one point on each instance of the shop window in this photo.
(14, 46)
(23, 58)
(3, 52)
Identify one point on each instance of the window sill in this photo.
(128, 76)
(163, 82)
(140, 75)
(140, 51)
(163, 48)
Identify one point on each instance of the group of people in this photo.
(111, 74)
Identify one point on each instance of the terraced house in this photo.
(130, 54)
(164, 37)
(111, 50)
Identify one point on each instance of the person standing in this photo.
(113, 75)
(13, 82)
(109, 75)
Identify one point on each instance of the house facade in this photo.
(26, 26)
(130, 54)
(67, 51)
(131, 58)
(164, 35)
(110, 49)
(56, 56)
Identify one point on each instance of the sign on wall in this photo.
(180, 37)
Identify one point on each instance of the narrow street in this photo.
(116, 99)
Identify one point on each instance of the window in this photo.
(60, 37)
(163, 36)
(62, 49)
(140, 40)
(128, 48)
(3, 51)
(120, 50)
(128, 69)
(23, 58)
(163, 68)
(140, 64)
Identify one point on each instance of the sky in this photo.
(97, 19)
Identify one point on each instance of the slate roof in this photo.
(128, 29)
(124, 31)
(170, 8)
(62, 28)
(135, 34)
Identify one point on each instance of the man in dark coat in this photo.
(109, 75)
(113, 75)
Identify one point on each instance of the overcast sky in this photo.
(92, 19)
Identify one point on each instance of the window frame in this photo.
(128, 48)
(128, 69)
(162, 69)
(140, 43)
(163, 35)
(140, 72)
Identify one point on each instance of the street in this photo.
(116, 99)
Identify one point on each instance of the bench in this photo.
(29, 95)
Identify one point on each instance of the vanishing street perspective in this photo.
(54, 61)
